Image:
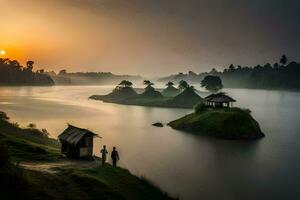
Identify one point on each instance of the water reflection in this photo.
(183, 164)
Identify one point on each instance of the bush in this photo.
(200, 107)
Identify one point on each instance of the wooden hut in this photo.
(77, 142)
(219, 100)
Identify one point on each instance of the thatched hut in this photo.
(77, 142)
(219, 100)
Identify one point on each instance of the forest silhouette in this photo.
(282, 75)
(14, 74)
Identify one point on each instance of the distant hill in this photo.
(90, 78)
(170, 91)
(14, 74)
(276, 76)
(151, 93)
(119, 94)
(188, 98)
(150, 97)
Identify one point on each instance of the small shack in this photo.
(219, 100)
(77, 142)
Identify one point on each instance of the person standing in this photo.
(115, 156)
(103, 153)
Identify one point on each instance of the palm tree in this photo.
(283, 60)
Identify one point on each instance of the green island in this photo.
(32, 166)
(214, 115)
(225, 123)
(171, 97)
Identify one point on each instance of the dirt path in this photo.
(52, 167)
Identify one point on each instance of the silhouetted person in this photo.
(115, 156)
(103, 153)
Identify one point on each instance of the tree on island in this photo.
(170, 90)
(148, 85)
(183, 85)
(150, 92)
(212, 83)
(125, 83)
(170, 84)
(283, 60)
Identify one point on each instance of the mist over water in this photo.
(182, 164)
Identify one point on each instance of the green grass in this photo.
(27, 144)
(227, 123)
(30, 145)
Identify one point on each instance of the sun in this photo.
(2, 52)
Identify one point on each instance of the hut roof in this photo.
(73, 134)
(219, 98)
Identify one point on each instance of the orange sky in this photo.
(147, 37)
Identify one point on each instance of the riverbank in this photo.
(22, 149)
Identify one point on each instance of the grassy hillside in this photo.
(233, 123)
(27, 144)
(30, 145)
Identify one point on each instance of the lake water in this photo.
(182, 164)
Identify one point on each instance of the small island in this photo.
(158, 124)
(216, 117)
(183, 97)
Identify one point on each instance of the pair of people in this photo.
(114, 155)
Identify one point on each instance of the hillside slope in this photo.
(33, 146)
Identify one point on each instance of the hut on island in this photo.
(77, 142)
(219, 100)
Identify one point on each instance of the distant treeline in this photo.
(14, 74)
(276, 76)
(89, 78)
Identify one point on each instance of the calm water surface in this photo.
(184, 165)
